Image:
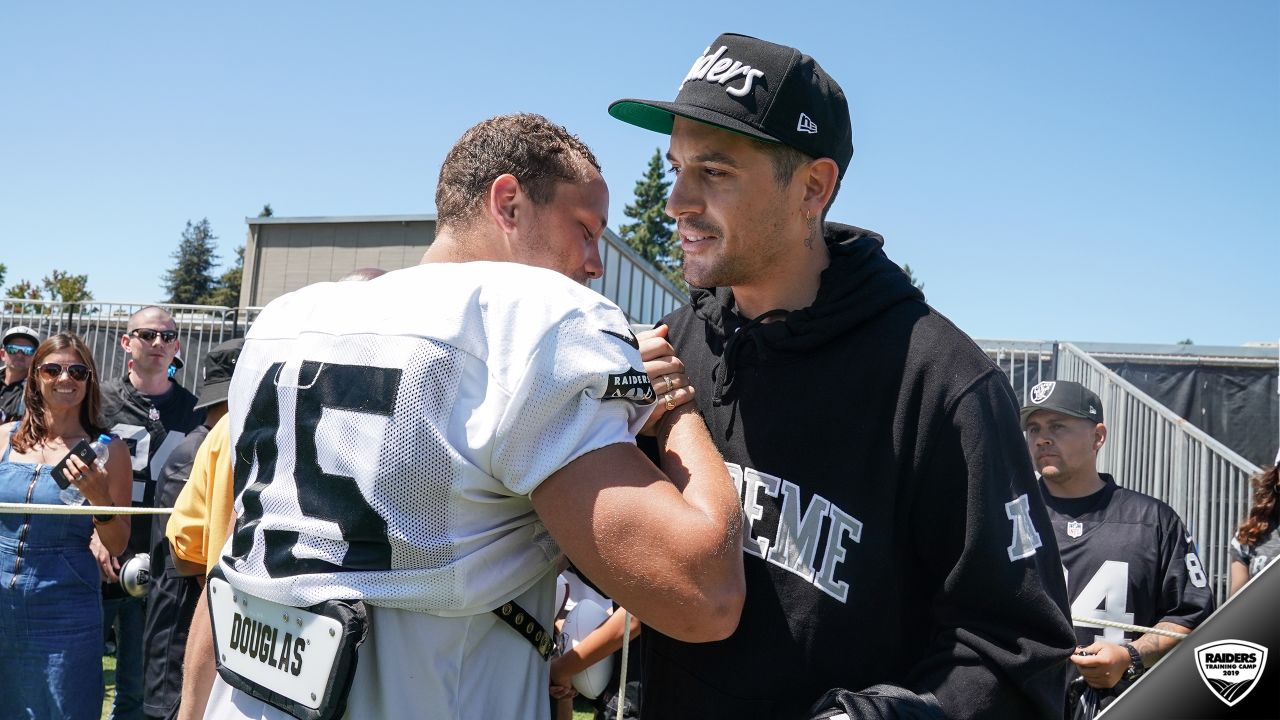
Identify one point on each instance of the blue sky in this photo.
(1092, 170)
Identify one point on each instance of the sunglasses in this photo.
(77, 372)
(149, 335)
(20, 350)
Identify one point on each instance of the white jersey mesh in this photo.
(406, 443)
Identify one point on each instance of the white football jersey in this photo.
(388, 433)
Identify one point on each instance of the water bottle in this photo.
(101, 447)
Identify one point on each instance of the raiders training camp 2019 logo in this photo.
(1042, 391)
(631, 385)
(1231, 668)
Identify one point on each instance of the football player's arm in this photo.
(987, 557)
(666, 544)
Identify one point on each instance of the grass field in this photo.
(580, 711)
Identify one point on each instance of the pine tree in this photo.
(227, 293)
(651, 235)
(915, 281)
(190, 280)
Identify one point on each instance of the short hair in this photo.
(786, 160)
(33, 431)
(132, 324)
(535, 150)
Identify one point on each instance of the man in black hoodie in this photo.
(897, 546)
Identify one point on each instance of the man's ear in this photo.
(124, 342)
(1099, 436)
(504, 199)
(820, 178)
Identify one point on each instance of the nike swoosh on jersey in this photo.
(628, 338)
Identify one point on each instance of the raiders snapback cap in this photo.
(759, 89)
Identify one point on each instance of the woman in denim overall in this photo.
(50, 601)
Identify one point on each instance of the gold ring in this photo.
(670, 405)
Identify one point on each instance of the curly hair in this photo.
(1263, 515)
(530, 147)
(33, 429)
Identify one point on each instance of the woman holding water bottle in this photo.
(50, 602)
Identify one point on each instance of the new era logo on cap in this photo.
(807, 125)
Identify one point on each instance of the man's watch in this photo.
(1136, 667)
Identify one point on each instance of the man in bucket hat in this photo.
(174, 592)
(895, 539)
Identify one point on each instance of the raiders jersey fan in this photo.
(1128, 559)
(388, 456)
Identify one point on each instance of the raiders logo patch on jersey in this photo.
(632, 385)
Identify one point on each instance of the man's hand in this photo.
(108, 566)
(561, 680)
(1102, 664)
(666, 374)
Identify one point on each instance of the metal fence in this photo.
(633, 283)
(1149, 448)
(102, 324)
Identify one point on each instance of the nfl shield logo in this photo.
(1231, 668)
(1075, 529)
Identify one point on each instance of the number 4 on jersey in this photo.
(1106, 597)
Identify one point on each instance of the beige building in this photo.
(283, 254)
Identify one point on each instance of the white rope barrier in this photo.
(1130, 628)
(626, 647)
(33, 509)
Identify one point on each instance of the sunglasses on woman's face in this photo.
(77, 372)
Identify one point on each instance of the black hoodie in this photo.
(894, 529)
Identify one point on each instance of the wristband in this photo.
(1136, 667)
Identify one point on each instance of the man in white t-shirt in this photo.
(430, 441)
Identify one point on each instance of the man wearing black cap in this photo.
(174, 594)
(16, 350)
(1127, 555)
(893, 537)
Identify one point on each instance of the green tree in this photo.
(3, 270)
(190, 280)
(915, 281)
(266, 211)
(65, 287)
(652, 234)
(1186, 341)
(227, 292)
(24, 290)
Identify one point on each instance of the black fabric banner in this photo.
(1237, 406)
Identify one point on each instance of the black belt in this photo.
(528, 627)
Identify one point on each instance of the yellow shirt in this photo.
(204, 511)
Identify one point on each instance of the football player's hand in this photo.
(666, 374)
(1104, 664)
